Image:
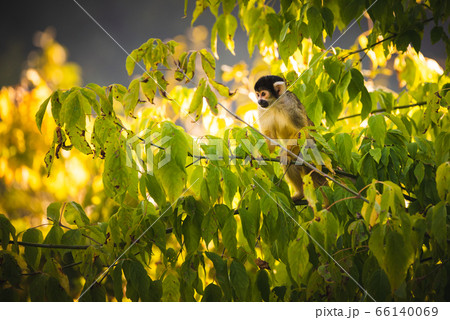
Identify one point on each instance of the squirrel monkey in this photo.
(282, 116)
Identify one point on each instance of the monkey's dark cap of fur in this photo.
(266, 83)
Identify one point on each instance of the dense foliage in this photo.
(210, 218)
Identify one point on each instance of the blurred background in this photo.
(130, 23)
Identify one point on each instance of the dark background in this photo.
(130, 23)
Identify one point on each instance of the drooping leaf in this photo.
(33, 255)
(6, 229)
(72, 109)
(171, 288)
(41, 112)
(212, 293)
(314, 22)
(239, 279)
(221, 268)
(229, 235)
(75, 215)
(226, 26)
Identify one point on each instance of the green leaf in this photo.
(213, 44)
(314, 22)
(209, 227)
(343, 84)
(221, 273)
(53, 211)
(170, 163)
(222, 89)
(229, 235)
(56, 107)
(212, 293)
(71, 237)
(239, 279)
(328, 104)
(377, 127)
(284, 31)
(439, 225)
(398, 258)
(115, 175)
(350, 10)
(200, 6)
(378, 286)
(228, 6)
(376, 243)
(211, 99)
(54, 235)
(149, 87)
(262, 283)
(37, 287)
(33, 255)
(250, 224)
(55, 292)
(298, 257)
(358, 233)
(130, 99)
(288, 47)
(154, 189)
(443, 181)
(78, 139)
(130, 62)
(41, 112)
(155, 291)
(10, 270)
(172, 178)
(328, 20)
(419, 172)
(226, 27)
(358, 85)
(376, 154)
(190, 71)
(208, 63)
(406, 38)
(6, 229)
(436, 34)
(344, 145)
(75, 215)
(212, 180)
(192, 232)
(72, 108)
(333, 68)
(138, 281)
(171, 288)
(197, 100)
(230, 181)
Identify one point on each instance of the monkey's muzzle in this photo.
(263, 103)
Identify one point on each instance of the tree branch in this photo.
(368, 47)
(48, 246)
(383, 110)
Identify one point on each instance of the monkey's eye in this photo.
(263, 94)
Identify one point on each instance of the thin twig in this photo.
(348, 198)
(383, 110)
(48, 246)
(368, 47)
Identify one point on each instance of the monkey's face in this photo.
(264, 98)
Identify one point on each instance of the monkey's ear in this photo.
(280, 87)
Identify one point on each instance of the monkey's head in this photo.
(268, 89)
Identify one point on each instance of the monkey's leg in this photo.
(294, 175)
